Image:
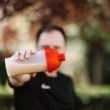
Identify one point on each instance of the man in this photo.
(44, 90)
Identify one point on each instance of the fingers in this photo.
(33, 51)
(33, 75)
(29, 53)
(20, 55)
(25, 54)
(17, 54)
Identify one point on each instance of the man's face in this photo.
(52, 39)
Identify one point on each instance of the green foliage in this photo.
(93, 34)
(93, 91)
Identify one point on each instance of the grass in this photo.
(5, 91)
(93, 91)
(6, 98)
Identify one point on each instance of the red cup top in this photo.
(53, 59)
(61, 57)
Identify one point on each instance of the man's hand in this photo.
(19, 80)
(26, 54)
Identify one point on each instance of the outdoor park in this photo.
(86, 23)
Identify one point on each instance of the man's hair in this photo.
(49, 28)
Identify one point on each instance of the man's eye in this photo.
(57, 48)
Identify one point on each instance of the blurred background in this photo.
(87, 25)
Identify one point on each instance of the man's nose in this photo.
(52, 47)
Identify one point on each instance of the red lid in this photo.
(53, 59)
(61, 57)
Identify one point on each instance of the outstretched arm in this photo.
(19, 80)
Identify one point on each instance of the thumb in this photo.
(33, 75)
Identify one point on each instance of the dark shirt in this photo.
(45, 93)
